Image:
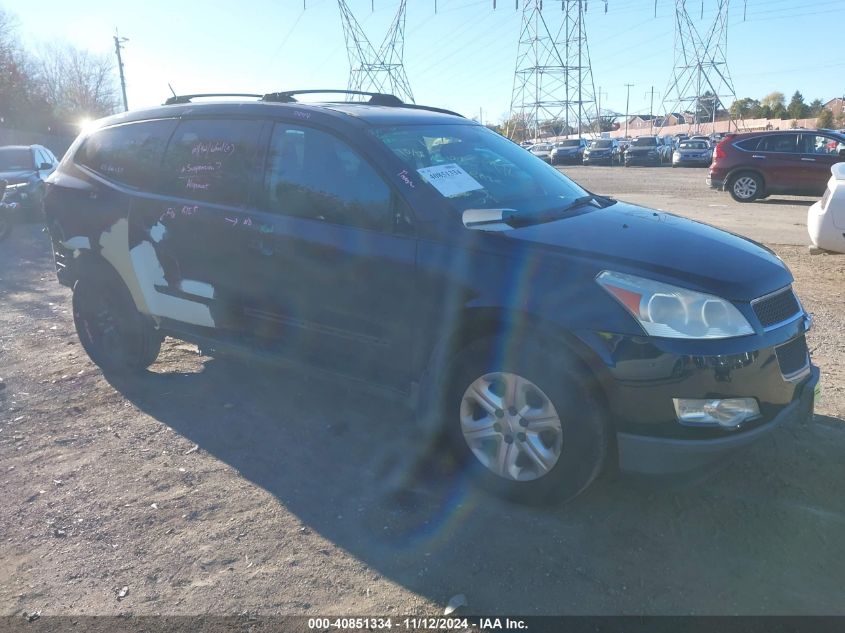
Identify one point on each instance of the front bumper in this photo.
(662, 456)
(559, 159)
(642, 159)
(604, 159)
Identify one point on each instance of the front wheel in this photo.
(113, 333)
(529, 428)
(746, 187)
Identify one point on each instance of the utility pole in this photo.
(627, 103)
(118, 44)
(651, 109)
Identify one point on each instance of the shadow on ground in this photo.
(763, 536)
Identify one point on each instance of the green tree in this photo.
(825, 118)
(773, 100)
(816, 107)
(797, 109)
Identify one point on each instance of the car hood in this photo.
(567, 150)
(633, 149)
(16, 176)
(628, 238)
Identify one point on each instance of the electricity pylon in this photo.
(372, 70)
(701, 82)
(553, 89)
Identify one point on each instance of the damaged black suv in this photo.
(546, 332)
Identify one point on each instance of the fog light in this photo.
(726, 412)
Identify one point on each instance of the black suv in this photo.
(546, 332)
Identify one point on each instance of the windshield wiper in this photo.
(540, 217)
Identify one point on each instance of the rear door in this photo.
(188, 246)
(778, 158)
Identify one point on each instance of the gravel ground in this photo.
(210, 486)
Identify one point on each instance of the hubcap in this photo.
(745, 187)
(511, 426)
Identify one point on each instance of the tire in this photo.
(117, 337)
(746, 187)
(552, 463)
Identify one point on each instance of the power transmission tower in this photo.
(701, 82)
(374, 70)
(553, 89)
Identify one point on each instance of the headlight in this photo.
(672, 312)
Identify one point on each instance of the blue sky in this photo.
(460, 58)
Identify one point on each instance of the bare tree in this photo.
(77, 83)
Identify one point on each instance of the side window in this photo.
(749, 144)
(213, 160)
(817, 144)
(129, 153)
(781, 143)
(311, 174)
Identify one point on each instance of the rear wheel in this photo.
(529, 428)
(746, 187)
(113, 333)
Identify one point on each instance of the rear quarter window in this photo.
(129, 154)
(213, 160)
(749, 144)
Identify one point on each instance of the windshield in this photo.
(16, 158)
(693, 145)
(541, 148)
(570, 143)
(601, 144)
(644, 141)
(475, 168)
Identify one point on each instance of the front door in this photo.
(818, 154)
(333, 255)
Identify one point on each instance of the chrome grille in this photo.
(777, 307)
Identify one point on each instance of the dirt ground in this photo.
(213, 486)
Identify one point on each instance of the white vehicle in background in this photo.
(826, 218)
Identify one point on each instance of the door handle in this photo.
(757, 156)
(809, 160)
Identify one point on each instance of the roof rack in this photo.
(187, 98)
(376, 98)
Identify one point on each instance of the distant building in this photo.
(642, 120)
(836, 106)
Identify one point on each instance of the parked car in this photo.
(24, 168)
(826, 218)
(7, 208)
(644, 150)
(692, 152)
(542, 151)
(569, 151)
(546, 332)
(757, 164)
(602, 152)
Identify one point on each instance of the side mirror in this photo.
(488, 219)
(45, 166)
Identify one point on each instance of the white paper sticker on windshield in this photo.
(450, 180)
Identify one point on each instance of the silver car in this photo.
(693, 152)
